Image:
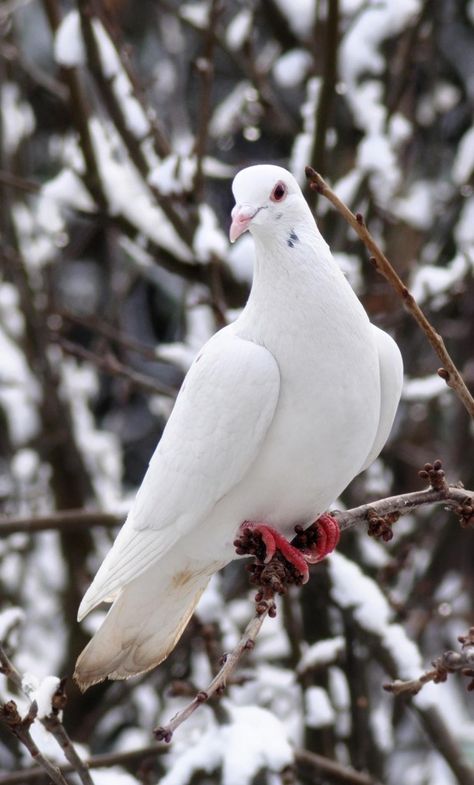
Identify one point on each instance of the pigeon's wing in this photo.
(391, 381)
(213, 435)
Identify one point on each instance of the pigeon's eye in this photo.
(278, 193)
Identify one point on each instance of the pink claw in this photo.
(328, 535)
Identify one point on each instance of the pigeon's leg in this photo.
(308, 547)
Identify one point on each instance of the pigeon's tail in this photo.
(143, 625)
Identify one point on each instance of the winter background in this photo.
(122, 125)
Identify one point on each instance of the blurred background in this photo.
(122, 125)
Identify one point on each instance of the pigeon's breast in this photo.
(324, 425)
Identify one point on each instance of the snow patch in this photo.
(9, 619)
(292, 67)
(321, 653)
(319, 710)
(209, 239)
(239, 29)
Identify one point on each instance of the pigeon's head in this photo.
(267, 198)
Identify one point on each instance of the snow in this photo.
(135, 118)
(69, 49)
(10, 618)
(174, 174)
(113, 776)
(68, 43)
(100, 448)
(464, 231)
(463, 164)
(430, 281)
(423, 389)
(127, 195)
(300, 15)
(253, 739)
(360, 47)
(19, 391)
(319, 710)
(375, 157)
(197, 13)
(292, 67)
(25, 464)
(229, 114)
(239, 29)
(16, 118)
(210, 241)
(352, 589)
(44, 693)
(416, 206)
(67, 189)
(321, 653)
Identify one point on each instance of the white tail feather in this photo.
(143, 625)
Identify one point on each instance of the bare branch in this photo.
(449, 662)
(96, 762)
(449, 371)
(109, 364)
(62, 520)
(51, 722)
(219, 682)
(455, 498)
(323, 765)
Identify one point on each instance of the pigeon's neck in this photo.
(296, 284)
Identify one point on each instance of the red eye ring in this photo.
(279, 192)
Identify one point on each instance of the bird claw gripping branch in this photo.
(279, 563)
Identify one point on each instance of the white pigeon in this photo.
(278, 413)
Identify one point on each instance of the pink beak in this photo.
(242, 214)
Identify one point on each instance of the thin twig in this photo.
(62, 520)
(109, 364)
(219, 682)
(96, 762)
(332, 768)
(403, 503)
(449, 371)
(51, 722)
(20, 727)
(448, 662)
(96, 325)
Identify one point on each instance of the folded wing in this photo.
(214, 434)
(391, 382)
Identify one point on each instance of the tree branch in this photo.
(96, 762)
(51, 722)
(449, 371)
(460, 500)
(109, 364)
(20, 727)
(62, 520)
(219, 682)
(331, 768)
(449, 662)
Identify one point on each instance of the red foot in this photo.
(309, 546)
